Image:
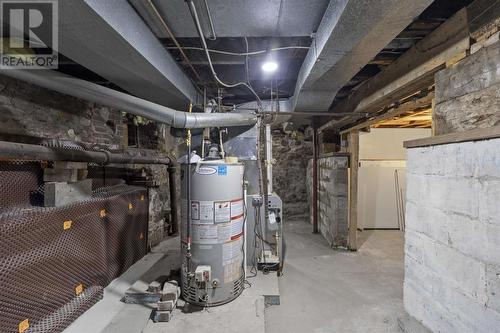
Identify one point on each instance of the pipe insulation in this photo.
(69, 85)
(22, 151)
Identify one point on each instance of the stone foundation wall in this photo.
(291, 153)
(31, 111)
(32, 114)
(452, 262)
(468, 93)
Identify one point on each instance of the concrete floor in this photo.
(322, 290)
(338, 291)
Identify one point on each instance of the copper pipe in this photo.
(171, 34)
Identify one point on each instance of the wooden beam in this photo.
(412, 105)
(476, 134)
(411, 72)
(353, 141)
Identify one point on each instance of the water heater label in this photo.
(224, 232)
(232, 250)
(222, 170)
(232, 270)
(232, 256)
(236, 209)
(236, 227)
(202, 211)
(205, 170)
(222, 211)
(204, 233)
(195, 210)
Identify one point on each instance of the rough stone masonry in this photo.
(30, 114)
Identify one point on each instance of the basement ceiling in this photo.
(266, 24)
(237, 18)
(437, 13)
(263, 24)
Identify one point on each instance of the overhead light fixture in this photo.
(269, 66)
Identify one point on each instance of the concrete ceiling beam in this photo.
(411, 72)
(111, 39)
(350, 35)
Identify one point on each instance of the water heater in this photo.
(212, 272)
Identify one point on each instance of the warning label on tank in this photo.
(195, 210)
(232, 270)
(232, 250)
(204, 233)
(236, 208)
(207, 211)
(202, 211)
(222, 211)
(224, 232)
(237, 227)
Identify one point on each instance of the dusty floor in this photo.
(334, 291)
(322, 290)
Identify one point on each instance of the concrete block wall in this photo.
(332, 199)
(452, 261)
(468, 93)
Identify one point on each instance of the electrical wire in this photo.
(247, 71)
(196, 19)
(244, 54)
(171, 34)
(214, 36)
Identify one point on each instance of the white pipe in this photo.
(269, 159)
(245, 228)
(69, 85)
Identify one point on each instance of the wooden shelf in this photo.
(471, 135)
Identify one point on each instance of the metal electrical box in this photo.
(269, 229)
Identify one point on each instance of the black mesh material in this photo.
(55, 262)
(21, 184)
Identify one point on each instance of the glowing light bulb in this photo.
(269, 66)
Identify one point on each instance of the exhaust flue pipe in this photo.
(69, 85)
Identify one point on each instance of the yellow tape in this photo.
(142, 197)
(24, 325)
(79, 289)
(67, 224)
(102, 213)
(130, 206)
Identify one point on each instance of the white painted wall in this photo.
(452, 250)
(387, 143)
(381, 154)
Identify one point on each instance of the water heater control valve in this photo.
(203, 274)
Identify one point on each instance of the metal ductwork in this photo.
(95, 93)
(350, 34)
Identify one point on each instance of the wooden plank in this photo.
(337, 154)
(471, 135)
(411, 72)
(483, 14)
(353, 139)
(420, 103)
